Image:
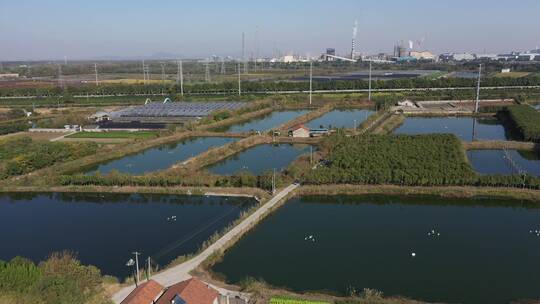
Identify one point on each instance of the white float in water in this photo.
(413, 254)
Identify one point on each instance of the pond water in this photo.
(161, 157)
(481, 251)
(506, 163)
(105, 228)
(264, 123)
(462, 127)
(260, 158)
(342, 118)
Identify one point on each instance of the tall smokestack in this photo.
(354, 32)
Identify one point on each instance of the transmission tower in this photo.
(96, 73)
(223, 66)
(478, 89)
(239, 81)
(310, 81)
(162, 73)
(146, 71)
(207, 72)
(60, 79)
(244, 53)
(180, 77)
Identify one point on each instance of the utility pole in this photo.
(239, 81)
(143, 72)
(274, 182)
(180, 77)
(96, 72)
(478, 89)
(148, 269)
(137, 265)
(162, 73)
(244, 52)
(369, 90)
(310, 81)
(60, 80)
(222, 66)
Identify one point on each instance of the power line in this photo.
(239, 81)
(478, 89)
(310, 81)
(96, 72)
(369, 91)
(180, 77)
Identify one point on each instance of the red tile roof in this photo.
(146, 293)
(192, 291)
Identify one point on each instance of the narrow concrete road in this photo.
(181, 272)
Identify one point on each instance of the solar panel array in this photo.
(177, 109)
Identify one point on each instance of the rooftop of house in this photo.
(146, 293)
(192, 291)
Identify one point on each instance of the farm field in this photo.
(512, 75)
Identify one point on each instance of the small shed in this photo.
(299, 131)
(100, 116)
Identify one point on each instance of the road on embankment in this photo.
(181, 272)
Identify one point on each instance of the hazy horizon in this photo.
(34, 30)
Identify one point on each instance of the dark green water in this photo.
(260, 158)
(264, 123)
(161, 157)
(497, 162)
(340, 119)
(462, 127)
(105, 228)
(485, 252)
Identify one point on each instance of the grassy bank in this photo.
(302, 119)
(499, 144)
(443, 192)
(387, 126)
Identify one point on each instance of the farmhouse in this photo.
(192, 291)
(299, 131)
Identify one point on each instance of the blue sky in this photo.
(32, 29)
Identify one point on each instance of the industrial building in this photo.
(166, 112)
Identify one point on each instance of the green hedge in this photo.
(526, 121)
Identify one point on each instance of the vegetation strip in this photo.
(526, 120)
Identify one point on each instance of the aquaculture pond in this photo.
(264, 123)
(433, 249)
(161, 157)
(462, 127)
(342, 118)
(261, 158)
(105, 228)
(505, 162)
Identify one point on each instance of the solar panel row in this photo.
(177, 109)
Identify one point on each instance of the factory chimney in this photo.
(354, 32)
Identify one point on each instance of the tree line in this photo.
(261, 86)
(61, 279)
(525, 120)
